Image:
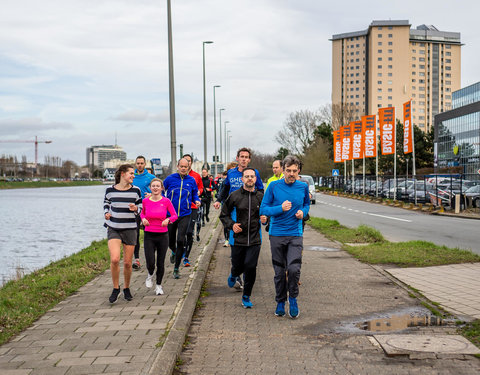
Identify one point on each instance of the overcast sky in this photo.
(77, 72)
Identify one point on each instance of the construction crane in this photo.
(36, 141)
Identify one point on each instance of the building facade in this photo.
(457, 132)
(98, 155)
(389, 63)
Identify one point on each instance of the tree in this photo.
(317, 160)
(338, 114)
(282, 152)
(263, 163)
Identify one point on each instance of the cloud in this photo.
(140, 115)
(30, 127)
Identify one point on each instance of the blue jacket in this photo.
(182, 192)
(284, 223)
(142, 181)
(234, 182)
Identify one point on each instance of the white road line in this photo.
(390, 217)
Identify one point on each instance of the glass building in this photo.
(457, 132)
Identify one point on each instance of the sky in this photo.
(89, 72)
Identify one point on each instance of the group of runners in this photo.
(169, 210)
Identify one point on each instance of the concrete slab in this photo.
(407, 344)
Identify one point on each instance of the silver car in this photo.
(311, 186)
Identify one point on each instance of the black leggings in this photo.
(190, 230)
(244, 260)
(156, 244)
(176, 233)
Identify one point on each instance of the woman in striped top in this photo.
(122, 203)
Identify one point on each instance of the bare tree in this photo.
(338, 114)
(298, 132)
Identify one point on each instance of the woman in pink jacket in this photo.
(154, 218)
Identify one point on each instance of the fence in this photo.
(437, 189)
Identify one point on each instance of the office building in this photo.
(457, 132)
(389, 63)
(98, 155)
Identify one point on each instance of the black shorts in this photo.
(127, 236)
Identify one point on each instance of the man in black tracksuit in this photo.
(241, 214)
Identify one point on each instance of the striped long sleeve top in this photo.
(116, 202)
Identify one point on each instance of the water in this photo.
(41, 225)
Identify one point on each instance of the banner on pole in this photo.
(369, 127)
(337, 146)
(346, 142)
(357, 136)
(386, 118)
(407, 128)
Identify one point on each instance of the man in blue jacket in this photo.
(286, 202)
(182, 191)
(142, 181)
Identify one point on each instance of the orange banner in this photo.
(369, 127)
(346, 134)
(407, 128)
(386, 118)
(337, 142)
(357, 139)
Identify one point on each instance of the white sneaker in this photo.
(226, 243)
(158, 290)
(149, 281)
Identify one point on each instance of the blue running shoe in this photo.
(246, 302)
(231, 281)
(293, 308)
(280, 311)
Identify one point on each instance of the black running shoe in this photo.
(114, 296)
(198, 238)
(126, 293)
(172, 257)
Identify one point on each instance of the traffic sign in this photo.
(478, 171)
(335, 172)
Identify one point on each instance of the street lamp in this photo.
(204, 109)
(225, 133)
(228, 142)
(220, 134)
(173, 131)
(215, 129)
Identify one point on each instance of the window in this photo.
(390, 43)
(390, 66)
(379, 74)
(358, 45)
(448, 46)
(390, 51)
(390, 59)
(422, 59)
(390, 28)
(414, 44)
(389, 82)
(422, 52)
(421, 66)
(414, 66)
(379, 67)
(379, 27)
(379, 98)
(390, 74)
(379, 59)
(421, 96)
(447, 89)
(379, 35)
(414, 58)
(413, 87)
(390, 35)
(379, 105)
(421, 74)
(389, 98)
(379, 43)
(379, 51)
(448, 61)
(448, 54)
(414, 50)
(379, 89)
(448, 82)
(448, 75)
(414, 80)
(379, 82)
(448, 68)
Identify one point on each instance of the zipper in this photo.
(249, 208)
(180, 196)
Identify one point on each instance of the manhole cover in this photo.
(406, 344)
(319, 248)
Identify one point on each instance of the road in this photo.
(397, 224)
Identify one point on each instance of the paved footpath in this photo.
(336, 292)
(85, 334)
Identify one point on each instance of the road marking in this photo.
(390, 217)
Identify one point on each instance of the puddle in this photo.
(319, 248)
(399, 322)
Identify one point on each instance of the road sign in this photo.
(478, 171)
(335, 172)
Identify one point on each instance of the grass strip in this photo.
(334, 231)
(25, 300)
(472, 332)
(42, 184)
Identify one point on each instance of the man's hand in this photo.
(132, 207)
(108, 215)
(216, 205)
(198, 204)
(286, 206)
(236, 228)
(263, 219)
(299, 214)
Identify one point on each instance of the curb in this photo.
(163, 360)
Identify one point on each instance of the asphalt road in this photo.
(397, 224)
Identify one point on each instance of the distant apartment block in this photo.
(97, 156)
(390, 63)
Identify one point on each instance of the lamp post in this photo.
(225, 133)
(220, 134)
(228, 142)
(215, 129)
(205, 109)
(173, 131)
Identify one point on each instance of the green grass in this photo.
(380, 251)
(472, 332)
(23, 301)
(41, 184)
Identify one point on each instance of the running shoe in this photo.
(203, 224)
(293, 310)
(198, 238)
(149, 281)
(207, 219)
(239, 283)
(186, 262)
(158, 290)
(280, 311)
(127, 295)
(246, 302)
(226, 244)
(114, 296)
(136, 264)
(231, 281)
(172, 257)
(176, 273)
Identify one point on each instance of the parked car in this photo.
(474, 194)
(311, 186)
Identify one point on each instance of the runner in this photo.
(244, 204)
(181, 189)
(154, 218)
(277, 167)
(142, 181)
(121, 205)
(207, 195)
(194, 214)
(286, 202)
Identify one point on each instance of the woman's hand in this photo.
(145, 222)
(165, 222)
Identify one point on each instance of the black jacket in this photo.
(244, 206)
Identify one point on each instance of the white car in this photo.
(311, 186)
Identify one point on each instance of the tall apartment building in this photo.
(98, 155)
(390, 63)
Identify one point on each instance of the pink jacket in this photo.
(156, 213)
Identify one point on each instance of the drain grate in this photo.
(319, 248)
